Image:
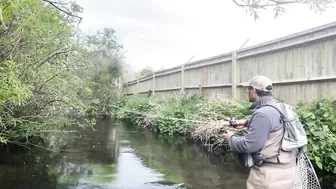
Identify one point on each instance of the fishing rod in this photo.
(173, 118)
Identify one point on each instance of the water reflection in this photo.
(185, 162)
(118, 156)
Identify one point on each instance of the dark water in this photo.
(117, 156)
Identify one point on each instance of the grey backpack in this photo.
(294, 134)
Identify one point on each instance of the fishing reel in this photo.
(233, 122)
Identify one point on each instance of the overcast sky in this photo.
(169, 32)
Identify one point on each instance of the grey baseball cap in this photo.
(262, 83)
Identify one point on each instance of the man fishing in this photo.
(260, 148)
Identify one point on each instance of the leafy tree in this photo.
(145, 72)
(52, 70)
(253, 6)
(107, 68)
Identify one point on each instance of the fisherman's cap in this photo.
(262, 83)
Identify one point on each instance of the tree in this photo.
(51, 70)
(253, 6)
(106, 71)
(146, 72)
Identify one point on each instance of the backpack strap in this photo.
(272, 105)
(283, 117)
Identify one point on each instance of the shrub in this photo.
(319, 121)
(176, 114)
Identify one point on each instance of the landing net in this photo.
(305, 176)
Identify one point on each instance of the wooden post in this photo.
(234, 75)
(153, 90)
(182, 78)
(138, 91)
(126, 89)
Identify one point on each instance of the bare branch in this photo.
(48, 103)
(40, 63)
(285, 2)
(53, 3)
(239, 4)
(54, 76)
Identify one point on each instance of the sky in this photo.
(165, 33)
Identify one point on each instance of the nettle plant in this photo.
(319, 120)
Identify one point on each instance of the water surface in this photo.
(117, 156)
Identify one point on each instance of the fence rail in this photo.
(302, 66)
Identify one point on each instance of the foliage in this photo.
(319, 119)
(104, 70)
(253, 6)
(182, 108)
(48, 67)
(205, 120)
(181, 114)
(145, 72)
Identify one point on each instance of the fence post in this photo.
(182, 78)
(153, 90)
(138, 91)
(234, 75)
(125, 87)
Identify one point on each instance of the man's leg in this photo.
(279, 178)
(255, 178)
(271, 178)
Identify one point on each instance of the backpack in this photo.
(294, 134)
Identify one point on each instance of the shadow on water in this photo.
(119, 156)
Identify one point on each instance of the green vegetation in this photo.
(205, 120)
(319, 119)
(177, 115)
(50, 70)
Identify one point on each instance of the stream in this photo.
(119, 156)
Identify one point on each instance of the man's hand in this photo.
(238, 123)
(227, 135)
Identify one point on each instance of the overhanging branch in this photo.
(281, 2)
(262, 5)
(253, 6)
(57, 52)
(53, 3)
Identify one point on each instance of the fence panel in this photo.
(145, 86)
(168, 81)
(302, 67)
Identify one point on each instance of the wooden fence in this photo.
(302, 66)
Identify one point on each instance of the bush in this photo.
(203, 119)
(176, 114)
(319, 121)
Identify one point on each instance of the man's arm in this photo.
(256, 136)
